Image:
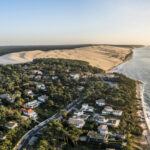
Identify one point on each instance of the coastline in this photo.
(127, 58)
(142, 113)
(145, 138)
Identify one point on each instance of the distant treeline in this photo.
(10, 49)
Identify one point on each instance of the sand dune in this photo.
(104, 57)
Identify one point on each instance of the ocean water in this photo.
(138, 67)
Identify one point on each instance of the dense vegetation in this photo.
(15, 79)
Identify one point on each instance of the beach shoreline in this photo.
(145, 138)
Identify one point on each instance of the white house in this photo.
(38, 77)
(80, 88)
(11, 125)
(43, 98)
(100, 119)
(54, 77)
(100, 102)
(41, 86)
(33, 104)
(103, 129)
(79, 123)
(75, 76)
(33, 116)
(29, 92)
(38, 72)
(108, 108)
(78, 113)
(117, 112)
(85, 106)
(90, 109)
(113, 122)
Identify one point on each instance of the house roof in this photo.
(102, 127)
(11, 124)
(75, 121)
(100, 101)
(28, 111)
(43, 96)
(95, 135)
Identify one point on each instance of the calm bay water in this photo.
(139, 68)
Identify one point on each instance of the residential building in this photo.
(29, 92)
(80, 88)
(100, 119)
(78, 113)
(107, 110)
(8, 98)
(11, 125)
(43, 98)
(41, 86)
(103, 129)
(90, 109)
(33, 116)
(54, 77)
(117, 112)
(38, 72)
(96, 137)
(33, 104)
(100, 102)
(79, 123)
(38, 77)
(113, 122)
(83, 117)
(75, 76)
(85, 106)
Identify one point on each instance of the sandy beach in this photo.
(145, 139)
(104, 57)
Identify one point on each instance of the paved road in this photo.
(23, 143)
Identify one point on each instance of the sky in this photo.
(57, 22)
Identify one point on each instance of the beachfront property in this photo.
(33, 104)
(43, 98)
(79, 123)
(109, 110)
(109, 76)
(93, 136)
(103, 129)
(100, 102)
(11, 125)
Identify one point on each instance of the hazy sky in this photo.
(74, 21)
